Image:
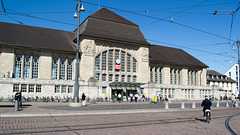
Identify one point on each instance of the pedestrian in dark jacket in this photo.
(83, 99)
(18, 97)
(206, 104)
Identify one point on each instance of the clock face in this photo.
(118, 61)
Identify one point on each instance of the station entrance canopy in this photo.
(126, 86)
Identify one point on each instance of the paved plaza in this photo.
(116, 118)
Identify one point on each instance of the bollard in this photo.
(227, 104)
(193, 105)
(217, 104)
(16, 106)
(166, 105)
(182, 106)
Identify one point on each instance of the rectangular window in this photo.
(31, 88)
(104, 59)
(162, 92)
(192, 73)
(128, 63)
(63, 89)
(97, 63)
(35, 67)
(173, 90)
(186, 94)
(116, 78)
(69, 69)
(54, 68)
(110, 60)
(24, 87)
(70, 89)
(134, 78)
(26, 69)
(191, 93)
(15, 87)
(160, 75)
(104, 77)
(134, 65)
(165, 93)
(57, 89)
(156, 75)
(110, 78)
(62, 69)
(38, 88)
(179, 77)
(97, 76)
(175, 76)
(171, 76)
(195, 78)
(151, 74)
(123, 78)
(128, 78)
(18, 66)
(104, 90)
(122, 61)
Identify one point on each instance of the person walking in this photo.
(83, 99)
(233, 99)
(18, 97)
(136, 97)
(131, 96)
(206, 104)
(119, 97)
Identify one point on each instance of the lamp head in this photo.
(82, 8)
(75, 15)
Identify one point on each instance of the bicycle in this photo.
(208, 115)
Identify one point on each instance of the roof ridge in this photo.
(106, 14)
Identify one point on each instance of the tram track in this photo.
(228, 126)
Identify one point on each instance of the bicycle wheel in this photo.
(208, 117)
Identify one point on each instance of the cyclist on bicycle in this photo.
(206, 105)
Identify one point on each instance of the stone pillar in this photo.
(143, 65)
(184, 77)
(87, 59)
(7, 62)
(45, 66)
(166, 75)
(204, 77)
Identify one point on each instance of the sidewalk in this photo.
(31, 109)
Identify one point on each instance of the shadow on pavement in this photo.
(202, 120)
(24, 105)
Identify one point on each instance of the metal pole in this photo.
(238, 67)
(76, 85)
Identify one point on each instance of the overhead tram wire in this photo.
(174, 14)
(191, 48)
(26, 15)
(195, 6)
(13, 19)
(183, 25)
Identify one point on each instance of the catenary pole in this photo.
(76, 84)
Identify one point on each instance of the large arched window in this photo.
(113, 63)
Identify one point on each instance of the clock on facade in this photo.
(118, 61)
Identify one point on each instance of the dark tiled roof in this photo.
(212, 76)
(161, 54)
(106, 24)
(35, 37)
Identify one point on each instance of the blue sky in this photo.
(194, 29)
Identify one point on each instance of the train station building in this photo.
(115, 57)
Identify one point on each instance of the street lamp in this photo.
(76, 85)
